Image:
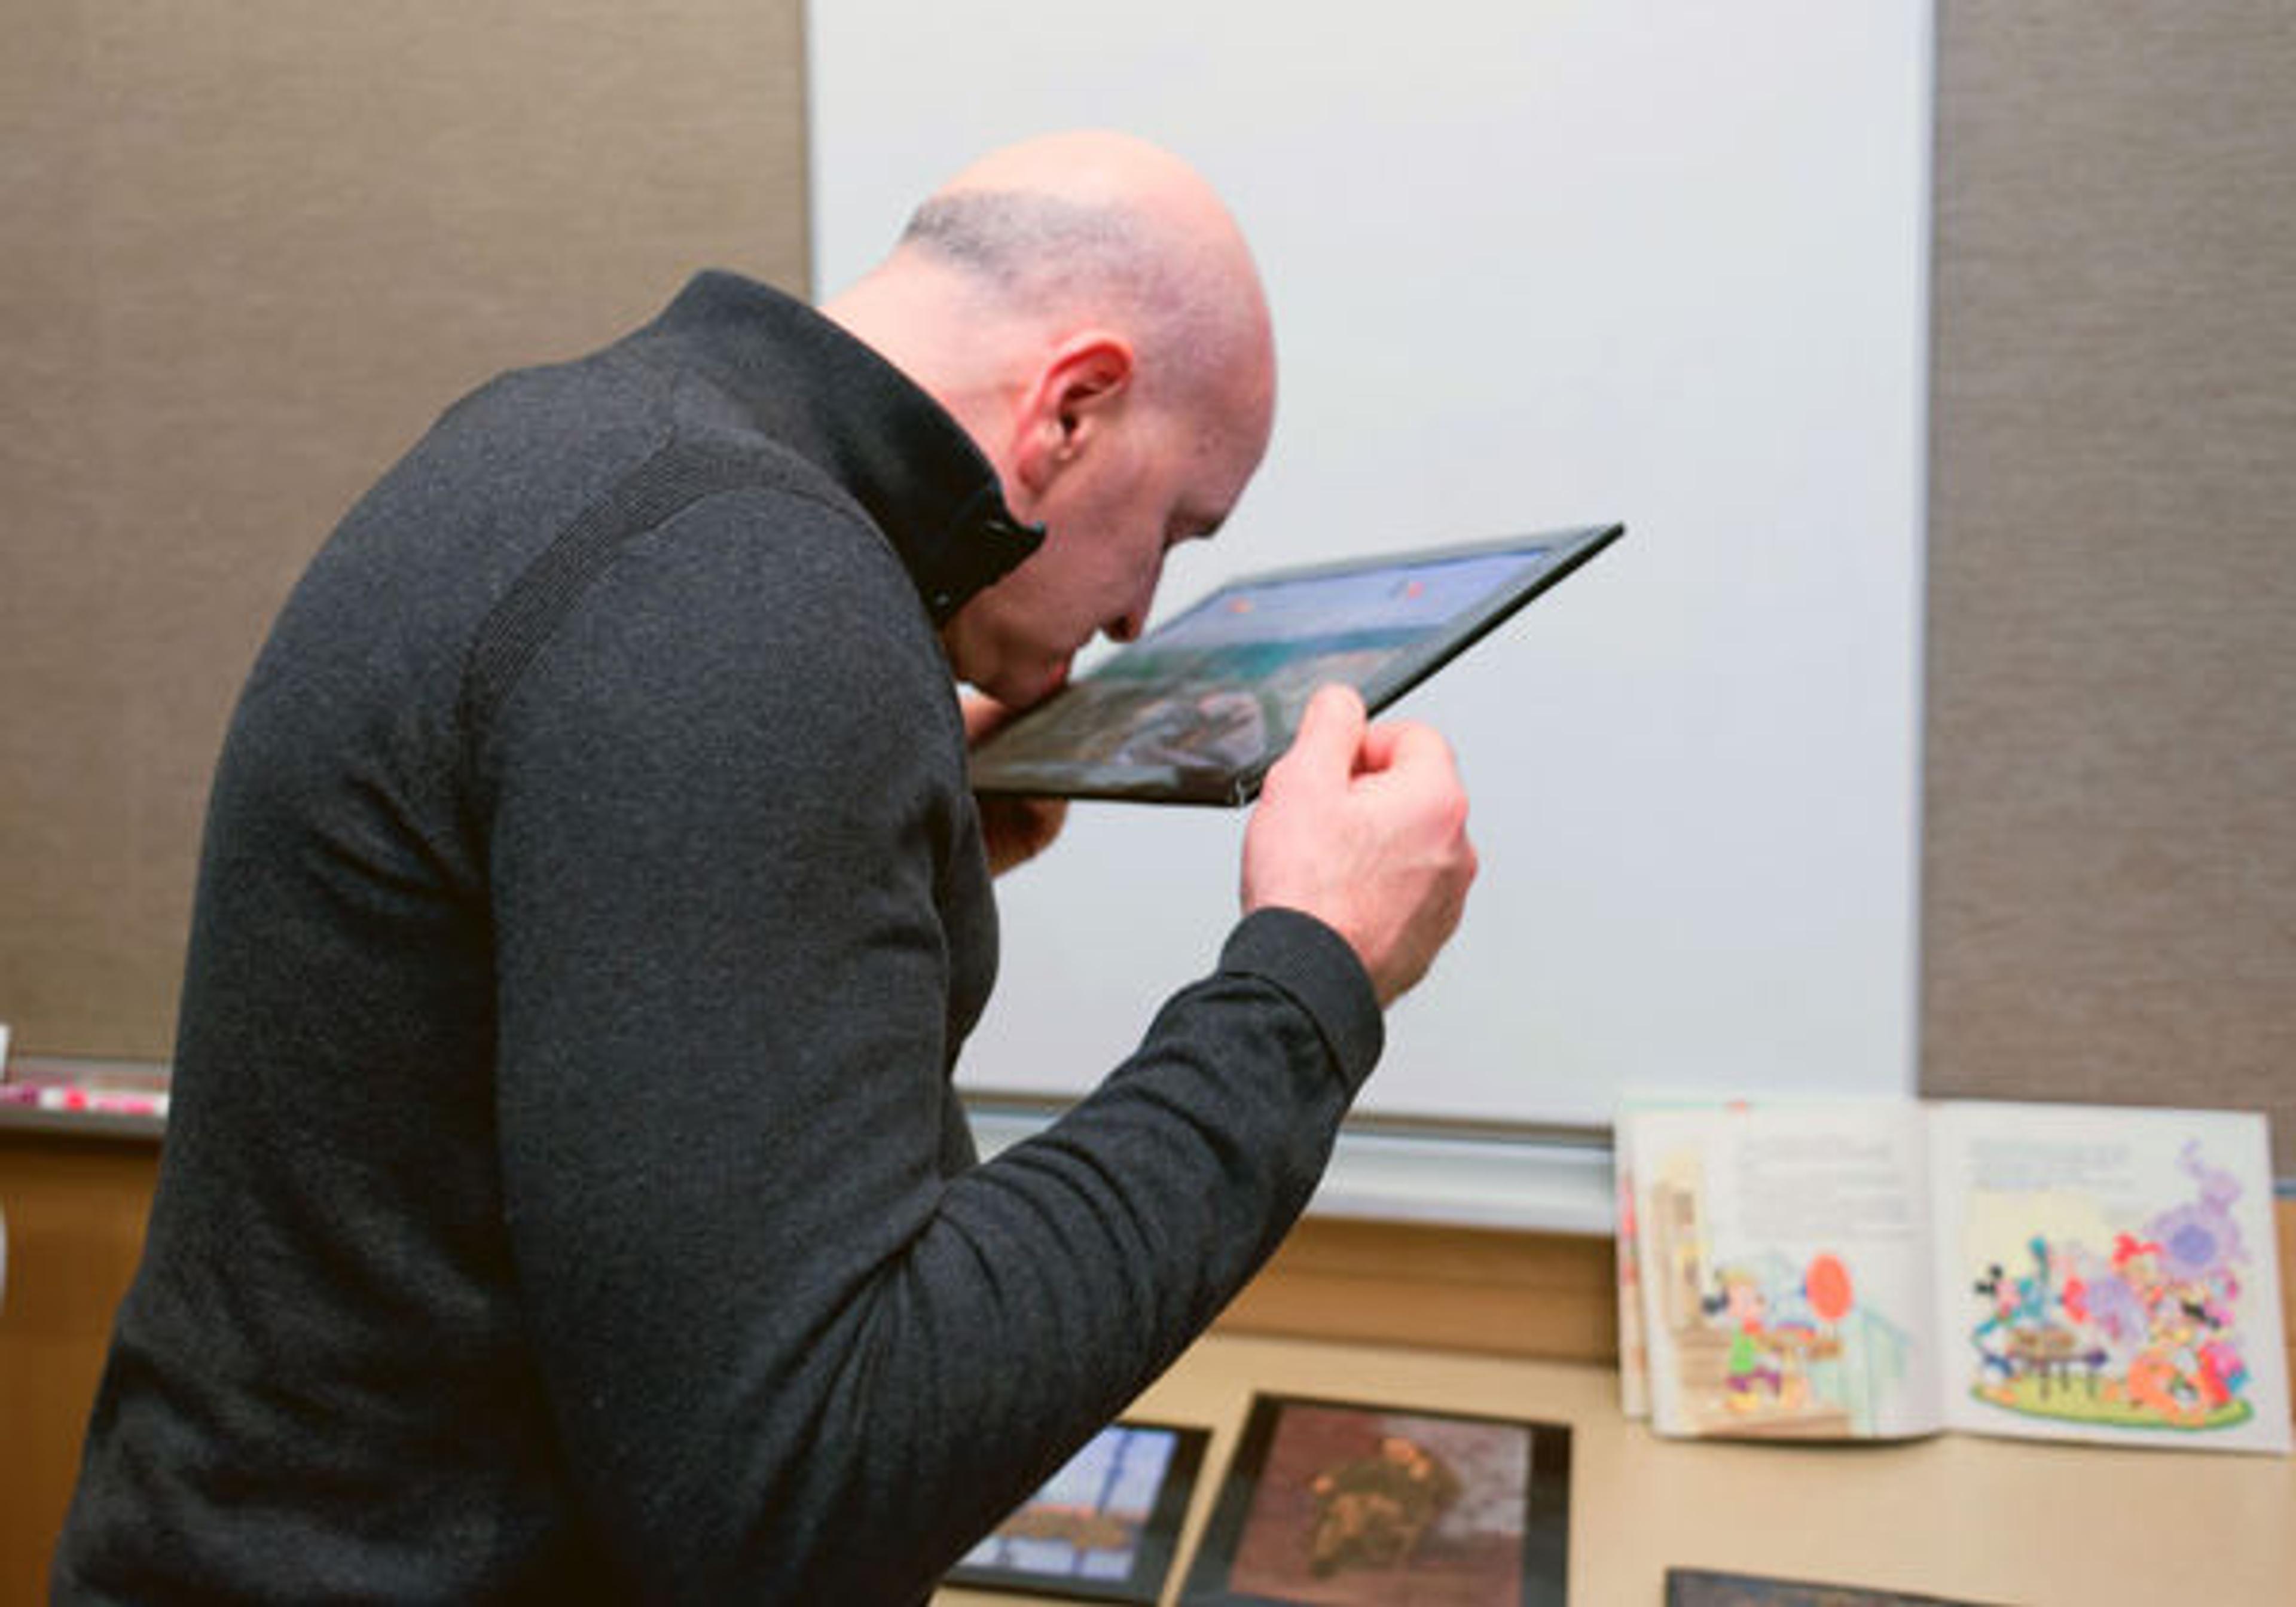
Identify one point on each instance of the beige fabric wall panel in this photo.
(252, 250)
(2111, 862)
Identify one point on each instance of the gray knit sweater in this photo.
(565, 1196)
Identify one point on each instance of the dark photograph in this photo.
(1104, 1527)
(1329, 1502)
(1705, 1587)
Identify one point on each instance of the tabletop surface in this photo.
(1988, 1521)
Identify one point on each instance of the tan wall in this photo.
(2110, 873)
(252, 248)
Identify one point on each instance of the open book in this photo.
(1879, 1269)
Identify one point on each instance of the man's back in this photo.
(325, 1374)
(567, 1193)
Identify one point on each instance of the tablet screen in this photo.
(1197, 710)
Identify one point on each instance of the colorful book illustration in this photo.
(1881, 1269)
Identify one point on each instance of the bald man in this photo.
(566, 1198)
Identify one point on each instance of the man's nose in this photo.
(1135, 619)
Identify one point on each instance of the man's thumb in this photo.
(1331, 734)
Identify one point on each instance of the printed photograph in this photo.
(1330, 1502)
(1104, 1527)
(1703, 1587)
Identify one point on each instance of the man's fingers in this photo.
(1016, 830)
(981, 715)
(1406, 744)
(1364, 827)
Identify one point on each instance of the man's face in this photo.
(1157, 479)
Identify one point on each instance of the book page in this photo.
(2108, 1274)
(1784, 1270)
(1634, 1350)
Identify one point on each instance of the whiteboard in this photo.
(1534, 264)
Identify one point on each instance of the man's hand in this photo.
(1364, 827)
(1014, 830)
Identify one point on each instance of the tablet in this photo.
(1197, 710)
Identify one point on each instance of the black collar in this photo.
(831, 399)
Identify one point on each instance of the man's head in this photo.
(1086, 310)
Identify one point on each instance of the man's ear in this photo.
(1075, 398)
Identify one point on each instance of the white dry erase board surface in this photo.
(1533, 264)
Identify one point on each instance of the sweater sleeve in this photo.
(789, 1357)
